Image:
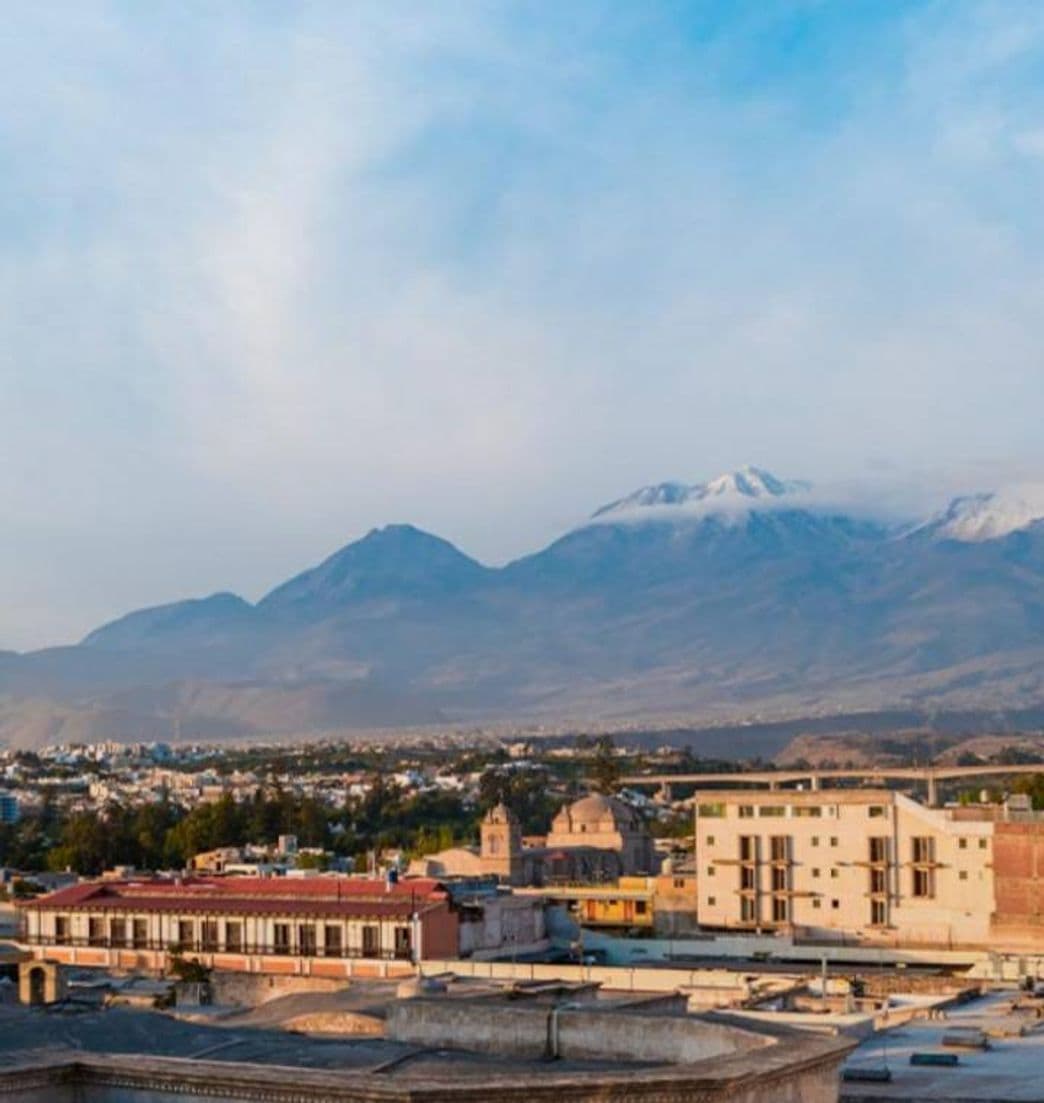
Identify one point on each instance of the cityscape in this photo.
(522, 572)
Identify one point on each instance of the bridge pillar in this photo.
(933, 792)
(815, 782)
(665, 795)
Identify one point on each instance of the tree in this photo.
(605, 769)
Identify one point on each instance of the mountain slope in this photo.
(744, 594)
(398, 561)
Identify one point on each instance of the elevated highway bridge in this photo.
(929, 776)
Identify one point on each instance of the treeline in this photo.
(162, 835)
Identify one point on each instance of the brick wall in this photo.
(1018, 870)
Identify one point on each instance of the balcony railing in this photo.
(403, 953)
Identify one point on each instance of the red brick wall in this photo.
(1018, 871)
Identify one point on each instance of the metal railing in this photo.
(198, 946)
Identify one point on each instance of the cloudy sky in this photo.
(272, 274)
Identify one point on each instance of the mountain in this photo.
(398, 561)
(984, 517)
(743, 595)
(738, 491)
(199, 622)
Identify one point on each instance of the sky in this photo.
(274, 274)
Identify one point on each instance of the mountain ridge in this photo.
(746, 594)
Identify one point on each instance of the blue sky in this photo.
(273, 274)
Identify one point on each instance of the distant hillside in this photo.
(746, 596)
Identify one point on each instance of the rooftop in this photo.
(258, 895)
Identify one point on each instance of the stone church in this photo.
(595, 839)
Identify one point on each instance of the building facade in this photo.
(594, 840)
(833, 864)
(327, 926)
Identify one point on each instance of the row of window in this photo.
(205, 935)
(922, 847)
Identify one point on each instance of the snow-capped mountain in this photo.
(736, 492)
(977, 518)
(747, 592)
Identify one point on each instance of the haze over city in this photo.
(273, 275)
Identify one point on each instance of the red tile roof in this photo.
(253, 895)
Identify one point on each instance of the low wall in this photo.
(804, 1071)
(253, 989)
(588, 1033)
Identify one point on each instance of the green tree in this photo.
(605, 768)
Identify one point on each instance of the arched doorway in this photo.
(37, 985)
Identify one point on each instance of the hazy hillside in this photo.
(744, 595)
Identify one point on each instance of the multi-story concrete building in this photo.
(831, 864)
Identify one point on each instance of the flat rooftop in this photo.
(1010, 1070)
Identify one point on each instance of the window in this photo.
(234, 936)
(815, 901)
(402, 942)
(875, 811)
(710, 871)
(748, 848)
(833, 872)
(810, 811)
(779, 847)
(306, 939)
(772, 810)
(640, 907)
(962, 842)
(923, 884)
(779, 909)
(748, 913)
(982, 844)
(833, 840)
(332, 940)
(711, 901)
(835, 904)
(878, 881)
(117, 932)
(710, 840)
(61, 929)
(748, 879)
(714, 811)
(186, 934)
(815, 872)
(963, 875)
(210, 935)
(879, 848)
(679, 882)
(779, 879)
(878, 913)
(371, 940)
(815, 840)
(281, 938)
(746, 811)
(140, 934)
(922, 849)
(95, 932)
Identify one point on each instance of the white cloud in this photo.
(271, 276)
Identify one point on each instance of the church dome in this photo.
(592, 813)
(591, 809)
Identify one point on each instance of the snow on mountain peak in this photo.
(980, 517)
(735, 492)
